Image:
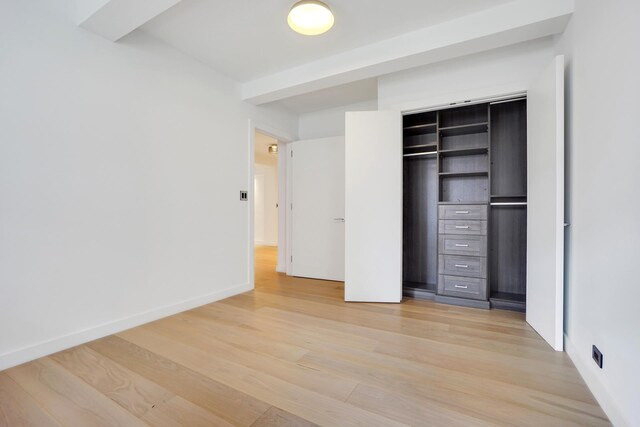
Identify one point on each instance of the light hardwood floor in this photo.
(292, 353)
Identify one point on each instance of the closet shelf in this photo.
(424, 153)
(420, 126)
(509, 204)
(464, 151)
(428, 287)
(420, 129)
(507, 296)
(462, 174)
(409, 147)
(464, 203)
(464, 129)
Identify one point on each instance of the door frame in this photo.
(283, 139)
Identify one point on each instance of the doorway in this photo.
(265, 194)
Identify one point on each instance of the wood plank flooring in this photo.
(292, 353)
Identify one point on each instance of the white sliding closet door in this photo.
(545, 210)
(317, 217)
(373, 206)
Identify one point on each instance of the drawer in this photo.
(456, 244)
(463, 212)
(452, 226)
(464, 287)
(454, 265)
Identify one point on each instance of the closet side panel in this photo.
(508, 216)
(420, 256)
(508, 258)
(509, 149)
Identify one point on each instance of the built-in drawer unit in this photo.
(463, 212)
(465, 287)
(462, 250)
(452, 226)
(455, 244)
(455, 265)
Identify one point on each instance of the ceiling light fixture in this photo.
(310, 17)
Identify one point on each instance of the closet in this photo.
(462, 203)
(465, 205)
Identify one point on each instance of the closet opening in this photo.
(464, 205)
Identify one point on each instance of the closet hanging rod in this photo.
(508, 204)
(420, 154)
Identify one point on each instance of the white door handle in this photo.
(338, 219)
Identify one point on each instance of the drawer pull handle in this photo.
(460, 245)
(462, 266)
(461, 286)
(462, 212)
(462, 227)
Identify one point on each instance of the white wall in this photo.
(500, 71)
(329, 122)
(266, 203)
(120, 171)
(602, 289)
(603, 148)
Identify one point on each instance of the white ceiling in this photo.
(249, 39)
(333, 97)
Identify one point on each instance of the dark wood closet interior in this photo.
(465, 212)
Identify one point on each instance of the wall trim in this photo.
(599, 391)
(45, 348)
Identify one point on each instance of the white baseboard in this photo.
(281, 268)
(599, 391)
(44, 348)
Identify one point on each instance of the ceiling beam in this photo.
(114, 19)
(511, 23)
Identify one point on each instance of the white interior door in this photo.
(317, 215)
(545, 210)
(373, 257)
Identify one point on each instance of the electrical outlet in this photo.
(244, 196)
(597, 356)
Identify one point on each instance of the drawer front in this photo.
(463, 212)
(452, 265)
(454, 244)
(464, 287)
(452, 226)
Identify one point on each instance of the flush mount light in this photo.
(310, 17)
(273, 149)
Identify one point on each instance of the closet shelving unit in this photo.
(508, 205)
(420, 140)
(473, 155)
